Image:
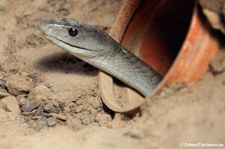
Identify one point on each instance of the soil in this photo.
(215, 12)
(50, 99)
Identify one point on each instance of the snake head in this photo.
(79, 39)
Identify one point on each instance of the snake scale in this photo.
(97, 48)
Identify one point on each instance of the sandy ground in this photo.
(49, 99)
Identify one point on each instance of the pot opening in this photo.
(157, 31)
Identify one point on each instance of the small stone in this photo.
(42, 122)
(58, 116)
(51, 108)
(2, 84)
(39, 110)
(3, 93)
(51, 121)
(162, 94)
(85, 120)
(17, 84)
(3, 5)
(3, 106)
(67, 109)
(183, 90)
(218, 63)
(21, 100)
(79, 109)
(3, 115)
(103, 118)
(24, 74)
(40, 92)
(135, 133)
(62, 105)
(96, 104)
(92, 111)
(2, 8)
(47, 109)
(11, 104)
(21, 97)
(79, 102)
(30, 106)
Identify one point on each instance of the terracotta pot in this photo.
(169, 36)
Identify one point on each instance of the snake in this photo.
(97, 48)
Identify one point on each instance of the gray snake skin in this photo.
(97, 48)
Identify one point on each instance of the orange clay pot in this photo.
(169, 36)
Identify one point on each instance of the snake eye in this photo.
(73, 32)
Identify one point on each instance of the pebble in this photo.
(24, 74)
(29, 107)
(162, 94)
(85, 120)
(58, 116)
(41, 123)
(2, 84)
(135, 133)
(11, 104)
(21, 99)
(103, 118)
(92, 111)
(4, 116)
(3, 106)
(3, 4)
(17, 84)
(3, 93)
(79, 109)
(61, 106)
(96, 104)
(40, 92)
(2, 8)
(47, 108)
(51, 108)
(51, 121)
(218, 63)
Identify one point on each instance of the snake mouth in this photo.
(80, 52)
(55, 39)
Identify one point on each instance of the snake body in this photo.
(97, 48)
